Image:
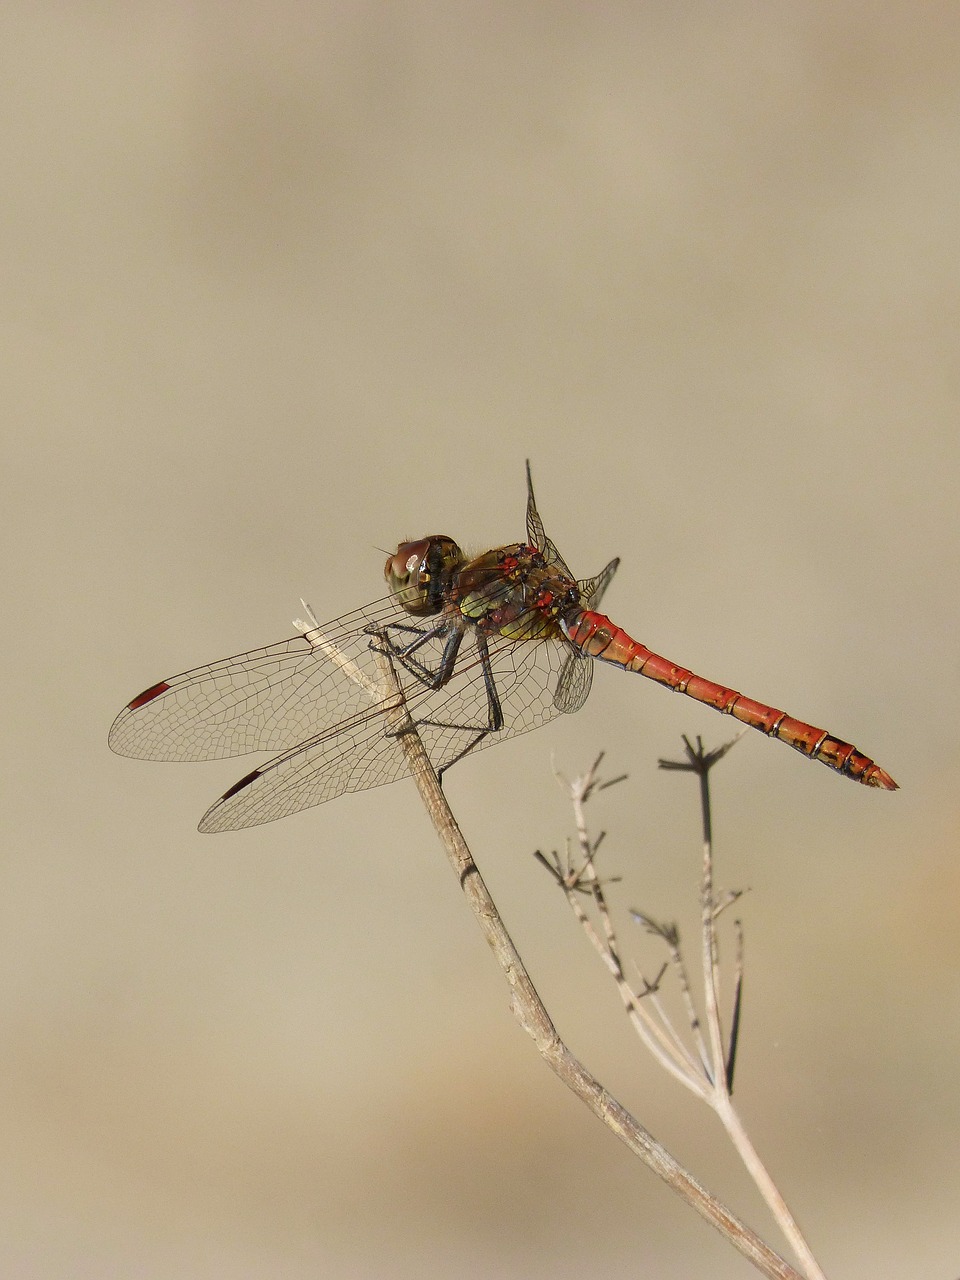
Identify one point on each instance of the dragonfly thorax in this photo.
(515, 592)
(420, 574)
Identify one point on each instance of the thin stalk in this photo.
(720, 1098)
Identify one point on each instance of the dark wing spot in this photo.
(238, 786)
(148, 695)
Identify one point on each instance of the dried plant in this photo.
(706, 1064)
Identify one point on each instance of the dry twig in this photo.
(707, 1072)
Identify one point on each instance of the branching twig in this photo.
(712, 1077)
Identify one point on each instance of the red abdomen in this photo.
(597, 636)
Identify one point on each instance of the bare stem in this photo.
(708, 942)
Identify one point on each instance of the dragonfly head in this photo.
(420, 573)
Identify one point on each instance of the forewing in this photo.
(537, 534)
(268, 699)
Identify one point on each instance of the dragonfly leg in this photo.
(432, 678)
(495, 717)
(437, 678)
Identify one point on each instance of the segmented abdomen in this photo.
(598, 637)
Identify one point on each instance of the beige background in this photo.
(283, 284)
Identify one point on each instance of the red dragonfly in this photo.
(483, 649)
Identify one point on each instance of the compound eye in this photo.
(406, 564)
(420, 573)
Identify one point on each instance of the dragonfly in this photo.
(482, 648)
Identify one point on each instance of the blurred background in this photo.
(285, 284)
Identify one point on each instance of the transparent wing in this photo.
(573, 685)
(361, 752)
(592, 589)
(268, 699)
(537, 534)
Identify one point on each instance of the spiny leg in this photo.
(436, 679)
(495, 719)
(431, 678)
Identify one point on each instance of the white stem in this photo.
(723, 1106)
